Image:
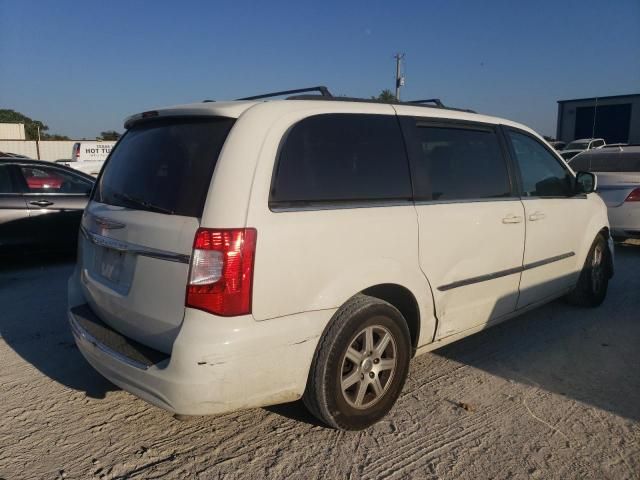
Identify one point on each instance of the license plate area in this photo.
(110, 264)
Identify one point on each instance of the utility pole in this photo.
(38, 143)
(399, 78)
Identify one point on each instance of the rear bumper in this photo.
(625, 220)
(216, 365)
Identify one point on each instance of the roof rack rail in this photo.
(438, 103)
(435, 101)
(324, 92)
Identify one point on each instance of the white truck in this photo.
(88, 157)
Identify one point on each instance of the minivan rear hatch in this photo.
(139, 228)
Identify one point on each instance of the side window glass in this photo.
(461, 163)
(51, 180)
(542, 174)
(342, 158)
(6, 183)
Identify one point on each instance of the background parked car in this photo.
(40, 204)
(618, 171)
(11, 155)
(580, 145)
(558, 145)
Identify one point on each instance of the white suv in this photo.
(247, 253)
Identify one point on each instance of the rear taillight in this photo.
(634, 196)
(221, 274)
(77, 153)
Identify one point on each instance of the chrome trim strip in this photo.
(278, 207)
(419, 202)
(106, 224)
(504, 273)
(107, 242)
(82, 334)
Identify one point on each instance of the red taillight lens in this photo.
(221, 275)
(634, 196)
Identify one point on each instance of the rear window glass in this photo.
(164, 166)
(342, 158)
(614, 162)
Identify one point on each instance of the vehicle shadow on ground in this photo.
(588, 354)
(295, 411)
(33, 321)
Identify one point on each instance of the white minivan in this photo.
(248, 253)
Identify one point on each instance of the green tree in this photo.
(385, 96)
(109, 135)
(30, 125)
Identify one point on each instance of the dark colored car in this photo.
(41, 204)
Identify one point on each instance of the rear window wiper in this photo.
(142, 203)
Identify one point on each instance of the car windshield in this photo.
(577, 146)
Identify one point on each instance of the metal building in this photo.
(12, 131)
(614, 118)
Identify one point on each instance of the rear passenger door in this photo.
(471, 221)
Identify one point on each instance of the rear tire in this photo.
(591, 289)
(360, 365)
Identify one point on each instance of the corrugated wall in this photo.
(50, 150)
(12, 131)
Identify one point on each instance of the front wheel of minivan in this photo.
(591, 289)
(360, 365)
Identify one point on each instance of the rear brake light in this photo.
(221, 274)
(634, 196)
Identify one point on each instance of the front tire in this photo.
(360, 365)
(593, 283)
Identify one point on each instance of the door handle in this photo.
(536, 216)
(512, 219)
(41, 203)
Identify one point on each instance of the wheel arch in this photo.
(406, 303)
(606, 233)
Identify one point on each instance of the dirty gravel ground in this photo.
(553, 394)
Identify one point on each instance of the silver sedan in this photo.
(618, 172)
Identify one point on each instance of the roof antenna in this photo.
(595, 114)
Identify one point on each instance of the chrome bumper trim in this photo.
(81, 334)
(114, 244)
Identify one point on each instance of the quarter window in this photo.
(542, 174)
(342, 158)
(460, 163)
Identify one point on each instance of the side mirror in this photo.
(586, 182)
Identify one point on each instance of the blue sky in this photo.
(81, 67)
